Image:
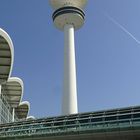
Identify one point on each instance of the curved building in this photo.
(11, 88)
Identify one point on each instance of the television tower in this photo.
(68, 17)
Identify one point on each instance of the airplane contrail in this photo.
(123, 28)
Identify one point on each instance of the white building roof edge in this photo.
(16, 79)
(5, 35)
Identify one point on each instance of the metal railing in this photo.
(95, 122)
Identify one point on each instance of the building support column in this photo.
(13, 115)
(0, 89)
(69, 101)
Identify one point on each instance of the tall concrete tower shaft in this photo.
(69, 104)
(68, 17)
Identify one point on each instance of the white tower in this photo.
(68, 17)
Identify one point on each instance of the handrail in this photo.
(34, 129)
(77, 123)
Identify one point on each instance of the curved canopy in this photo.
(13, 90)
(6, 56)
(30, 118)
(22, 110)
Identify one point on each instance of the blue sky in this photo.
(108, 57)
